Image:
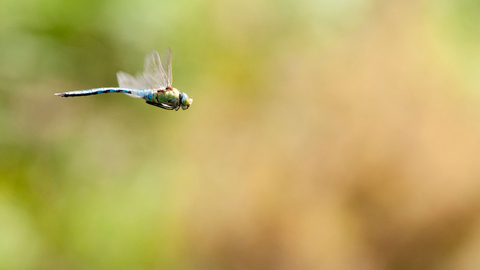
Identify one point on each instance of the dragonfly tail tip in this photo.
(59, 94)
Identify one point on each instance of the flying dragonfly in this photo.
(154, 84)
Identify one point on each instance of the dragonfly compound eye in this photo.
(186, 101)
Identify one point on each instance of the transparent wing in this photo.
(167, 65)
(126, 80)
(153, 72)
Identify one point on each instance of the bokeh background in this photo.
(324, 134)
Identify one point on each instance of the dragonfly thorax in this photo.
(172, 98)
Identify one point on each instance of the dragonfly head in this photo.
(185, 101)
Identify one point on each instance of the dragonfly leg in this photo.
(160, 105)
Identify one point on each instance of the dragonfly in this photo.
(154, 84)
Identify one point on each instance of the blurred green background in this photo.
(323, 135)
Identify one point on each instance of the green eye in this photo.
(186, 101)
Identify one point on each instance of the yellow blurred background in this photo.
(323, 135)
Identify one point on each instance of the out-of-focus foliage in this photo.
(324, 135)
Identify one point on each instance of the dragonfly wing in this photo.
(143, 82)
(167, 65)
(126, 80)
(153, 72)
